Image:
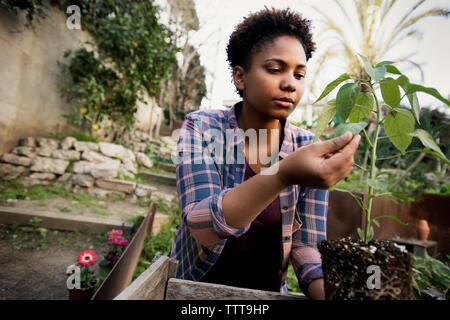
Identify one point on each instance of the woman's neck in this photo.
(248, 119)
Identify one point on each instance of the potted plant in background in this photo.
(84, 278)
(115, 246)
(365, 268)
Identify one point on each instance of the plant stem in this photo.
(372, 167)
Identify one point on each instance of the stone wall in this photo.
(98, 168)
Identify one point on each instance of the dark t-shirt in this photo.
(252, 260)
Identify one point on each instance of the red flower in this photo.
(87, 258)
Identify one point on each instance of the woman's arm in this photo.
(310, 166)
(316, 290)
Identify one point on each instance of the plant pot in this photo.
(423, 229)
(353, 270)
(79, 294)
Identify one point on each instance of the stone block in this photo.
(11, 169)
(67, 143)
(85, 146)
(15, 159)
(28, 142)
(143, 160)
(24, 151)
(82, 180)
(42, 176)
(116, 185)
(47, 143)
(70, 155)
(49, 165)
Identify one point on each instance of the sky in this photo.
(218, 19)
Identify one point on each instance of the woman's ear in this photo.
(238, 77)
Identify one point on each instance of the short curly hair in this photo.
(263, 27)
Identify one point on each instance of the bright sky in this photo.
(218, 19)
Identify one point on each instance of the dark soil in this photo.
(33, 267)
(345, 264)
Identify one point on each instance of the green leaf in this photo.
(375, 221)
(410, 88)
(394, 218)
(360, 233)
(398, 124)
(384, 63)
(363, 107)
(377, 184)
(367, 66)
(415, 107)
(332, 85)
(428, 141)
(369, 234)
(392, 69)
(390, 92)
(379, 73)
(354, 128)
(325, 116)
(345, 100)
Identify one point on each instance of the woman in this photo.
(242, 221)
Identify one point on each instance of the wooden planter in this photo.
(122, 272)
(158, 282)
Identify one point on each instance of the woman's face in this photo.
(275, 81)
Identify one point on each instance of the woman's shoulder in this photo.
(209, 118)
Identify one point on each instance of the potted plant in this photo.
(82, 280)
(365, 268)
(115, 246)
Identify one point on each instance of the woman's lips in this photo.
(283, 103)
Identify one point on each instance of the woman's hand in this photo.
(320, 165)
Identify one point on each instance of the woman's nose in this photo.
(288, 84)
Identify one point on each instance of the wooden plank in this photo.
(122, 273)
(178, 289)
(150, 285)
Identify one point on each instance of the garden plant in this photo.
(348, 263)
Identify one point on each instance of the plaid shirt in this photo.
(203, 179)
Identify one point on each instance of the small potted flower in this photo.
(82, 280)
(116, 245)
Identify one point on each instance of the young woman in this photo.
(242, 221)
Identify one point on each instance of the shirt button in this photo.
(285, 208)
(286, 238)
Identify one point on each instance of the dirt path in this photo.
(39, 273)
(36, 274)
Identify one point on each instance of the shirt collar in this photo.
(287, 147)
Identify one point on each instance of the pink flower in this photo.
(87, 258)
(115, 232)
(124, 242)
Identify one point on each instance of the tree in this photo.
(185, 88)
(373, 34)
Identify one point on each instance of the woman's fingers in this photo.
(335, 144)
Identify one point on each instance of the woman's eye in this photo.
(273, 70)
(299, 76)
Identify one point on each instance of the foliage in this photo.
(133, 55)
(376, 28)
(356, 108)
(34, 9)
(428, 273)
(160, 243)
(115, 246)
